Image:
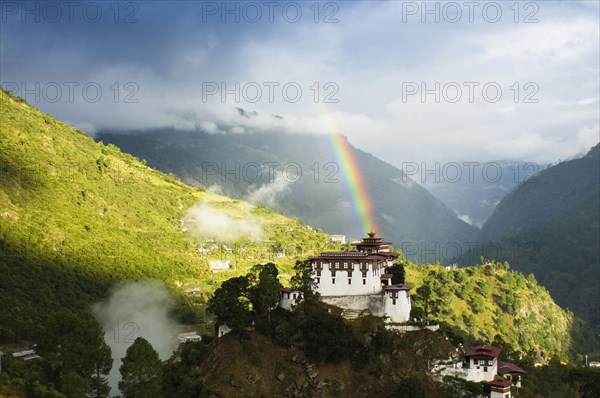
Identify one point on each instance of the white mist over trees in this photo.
(211, 222)
(137, 309)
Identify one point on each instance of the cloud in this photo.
(268, 194)
(559, 54)
(466, 218)
(388, 218)
(211, 222)
(137, 309)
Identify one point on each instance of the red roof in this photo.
(388, 254)
(500, 383)
(399, 286)
(484, 351)
(507, 367)
(350, 255)
(378, 243)
(385, 276)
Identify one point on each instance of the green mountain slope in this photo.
(550, 226)
(490, 303)
(547, 196)
(563, 254)
(77, 216)
(405, 213)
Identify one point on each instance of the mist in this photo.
(211, 222)
(268, 194)
(137, 309)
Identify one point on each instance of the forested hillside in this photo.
(77, 216)
(494, 304)
(546, 196)
(550, 226)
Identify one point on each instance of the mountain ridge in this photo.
(412, 215)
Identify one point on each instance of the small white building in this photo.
(289, 299)
(218, 265)
(481, 363)
(396, 303)
(189, 336)
(223, 330)
(26, 355)
(338, 238)
(500, 389)
(511, 372)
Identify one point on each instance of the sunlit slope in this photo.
(490, 303)
(75, 216)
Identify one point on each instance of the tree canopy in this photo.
(77, 355)
(141, 371)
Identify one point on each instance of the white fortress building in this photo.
(356, 281)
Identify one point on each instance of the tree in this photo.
(181, 376)
(230, 303)
(99, 387)
(304, 282)
(265, 291)
(326, 336)
(141, 371)
(411, 387)
(397, 271)
(73, 385)
(74, 344)
(427, 294)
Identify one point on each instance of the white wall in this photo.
(326, 287)
(288, 302)
(354, 302)
(399, 312)
(495, 394)
(223, 330)
(476, 373)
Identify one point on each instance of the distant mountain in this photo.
(551, 227)
(474, 189)
(547, 196)
(406, 213)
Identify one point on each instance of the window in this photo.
(394, 301)
(345, 265)
(485, 368)
(364, 281)
(318, 280)
(349, 281)
(337, 265)
(490, 362)
(294, 296)
(333, 281)
(475, 361)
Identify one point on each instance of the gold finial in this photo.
(371, 234)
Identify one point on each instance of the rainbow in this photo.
(352, 175)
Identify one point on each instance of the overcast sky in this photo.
(168, 62)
